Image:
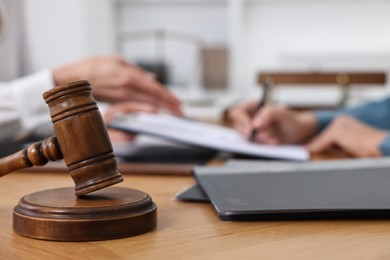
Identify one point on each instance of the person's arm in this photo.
(367, 124)
(376, 113)
(385, 146)
(22, 108)
(353, 137)
(115, 80)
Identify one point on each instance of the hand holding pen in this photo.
(269, 124)
(264, 100)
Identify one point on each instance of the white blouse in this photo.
(22, 108)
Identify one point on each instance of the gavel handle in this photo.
(37, 154)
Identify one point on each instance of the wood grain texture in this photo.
(111, 213)
(133, 168)
(193, 230)
(326, 78)
(37, 154)
(343, 79)
(81, 139)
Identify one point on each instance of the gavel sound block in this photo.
(87, 212)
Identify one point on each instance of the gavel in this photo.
(81, 139)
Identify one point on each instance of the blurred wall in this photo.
(311, 35)
(188, 26)
(61, 31)
(260, 34)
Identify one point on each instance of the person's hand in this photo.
(114, 80)
(272, 124)
(121, 109)
(352, 136)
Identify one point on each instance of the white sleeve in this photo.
(22, 107)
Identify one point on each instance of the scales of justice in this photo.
(91, 211)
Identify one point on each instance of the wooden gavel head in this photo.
(81, 139)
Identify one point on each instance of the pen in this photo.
(264, 100)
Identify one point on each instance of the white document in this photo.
(204, 135)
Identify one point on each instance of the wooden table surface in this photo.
(193, 230)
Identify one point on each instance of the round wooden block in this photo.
(59, 215)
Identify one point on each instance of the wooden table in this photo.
(193, 230)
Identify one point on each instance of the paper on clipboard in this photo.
(204, 135)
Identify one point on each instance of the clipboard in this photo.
(306, 194)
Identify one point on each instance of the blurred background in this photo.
(210, 52)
